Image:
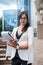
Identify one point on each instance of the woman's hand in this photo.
(13, 43)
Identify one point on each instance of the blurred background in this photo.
(9, 11)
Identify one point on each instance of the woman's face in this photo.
(23, 20)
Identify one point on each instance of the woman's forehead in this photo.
(24, 14)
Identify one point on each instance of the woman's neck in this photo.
(21, 26)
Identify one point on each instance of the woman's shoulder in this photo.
(14, 29)
(30, 28)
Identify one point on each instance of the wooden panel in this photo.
(40, 31)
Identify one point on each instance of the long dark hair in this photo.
(27, 25)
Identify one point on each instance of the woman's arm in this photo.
(29, 40)
(25, 46)
(13, 44)
(30, 37)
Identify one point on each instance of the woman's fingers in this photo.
(9, 43)
(14, 40)
(12, 44)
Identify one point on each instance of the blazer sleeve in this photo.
(13, 32)
(30, 37)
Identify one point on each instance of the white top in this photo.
(26, 54)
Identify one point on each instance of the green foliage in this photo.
(0, 25)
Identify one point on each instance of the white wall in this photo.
(33, 16)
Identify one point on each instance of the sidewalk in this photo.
(38, 51)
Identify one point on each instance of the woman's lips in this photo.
(23, 22)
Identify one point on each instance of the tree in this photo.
(0, 25)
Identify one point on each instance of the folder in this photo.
(6, 35)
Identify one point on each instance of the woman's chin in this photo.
(23, 24)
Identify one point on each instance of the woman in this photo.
(22, 43)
